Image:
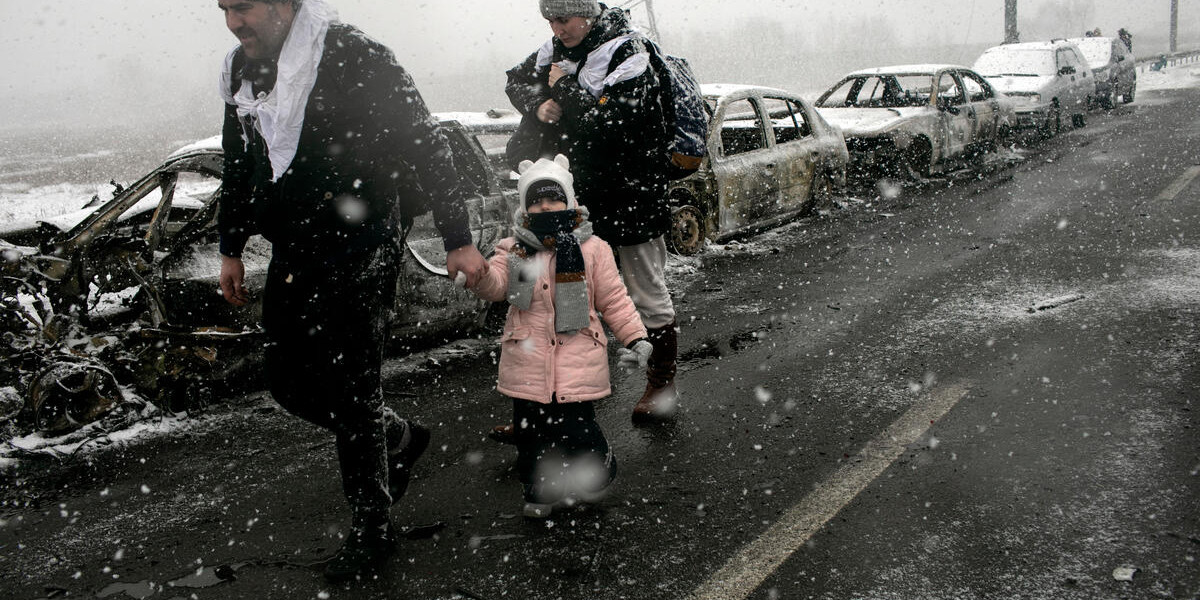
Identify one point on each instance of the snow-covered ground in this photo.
(21, 202)
(1171, 78)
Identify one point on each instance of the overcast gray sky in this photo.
(96, 60)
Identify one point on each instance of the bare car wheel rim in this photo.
(687, 231)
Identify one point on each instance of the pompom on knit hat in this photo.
(569, 8)
(545, 174)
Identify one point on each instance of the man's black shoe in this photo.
(400, 463)
(361, 554)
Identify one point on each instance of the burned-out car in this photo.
(140, 272)
(913, 120)
(770, 157)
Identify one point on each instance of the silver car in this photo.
(913, 120)
(771, 157)
(1047, 80)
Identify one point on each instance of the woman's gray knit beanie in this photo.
(569, 8)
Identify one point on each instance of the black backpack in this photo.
(686, 112)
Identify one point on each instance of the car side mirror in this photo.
(1067, 70)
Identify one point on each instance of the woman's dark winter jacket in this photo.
(369, 154)
(618, 142)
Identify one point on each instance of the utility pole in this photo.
(1174, 24)
(653, 22)
(1011, 36)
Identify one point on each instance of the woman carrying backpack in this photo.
(592, 87)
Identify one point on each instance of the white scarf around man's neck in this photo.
(279, 115)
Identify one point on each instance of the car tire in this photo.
(820, 194)
(918, 158)
(1053, 124)
(1078, 120)
(1127, 97)
(1109, 101)
(687, 230)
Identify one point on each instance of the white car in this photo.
(916, 119)
(1046, 80)
(1113, 69)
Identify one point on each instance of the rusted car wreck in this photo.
(770, 158)
(909, 121)
(125, 292)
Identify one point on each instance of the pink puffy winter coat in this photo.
(536, 362)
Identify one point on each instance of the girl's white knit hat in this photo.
(557, 170)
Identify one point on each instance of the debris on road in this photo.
(1124, 573)
(1055, 302)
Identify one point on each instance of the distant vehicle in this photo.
(771, 157)
(1113, 68)
(1046, 80)
(145, 264)
(913, 120)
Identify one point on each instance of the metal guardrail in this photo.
(1179, 58)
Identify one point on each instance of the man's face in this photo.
(260, 26)
(571, 30)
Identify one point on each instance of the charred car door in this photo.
(745, 168)
(796, 147)
(957, 115)
(983, 103)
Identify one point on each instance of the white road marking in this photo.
(743, 573)
(1180, 184)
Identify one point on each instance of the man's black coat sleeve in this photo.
(234, 219)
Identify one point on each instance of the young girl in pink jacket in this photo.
(558, 278)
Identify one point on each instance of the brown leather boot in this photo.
(660, 400)
(505, 434)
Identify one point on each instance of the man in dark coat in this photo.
(327, 147)
(592, 86)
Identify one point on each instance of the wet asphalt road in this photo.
(874, 407)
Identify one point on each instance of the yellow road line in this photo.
(743, 573)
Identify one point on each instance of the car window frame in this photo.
(758, 112)
(962, 93)
(988, 92)
(793, 106)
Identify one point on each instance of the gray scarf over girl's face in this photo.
(563, 233)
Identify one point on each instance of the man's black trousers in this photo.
(326, 323)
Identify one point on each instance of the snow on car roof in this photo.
(1028, 46)
(920, 69)
(723, 89)
(478, 119)
(212, 144)
(504, 116)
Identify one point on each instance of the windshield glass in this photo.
(1005, 61)
(879, 91)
